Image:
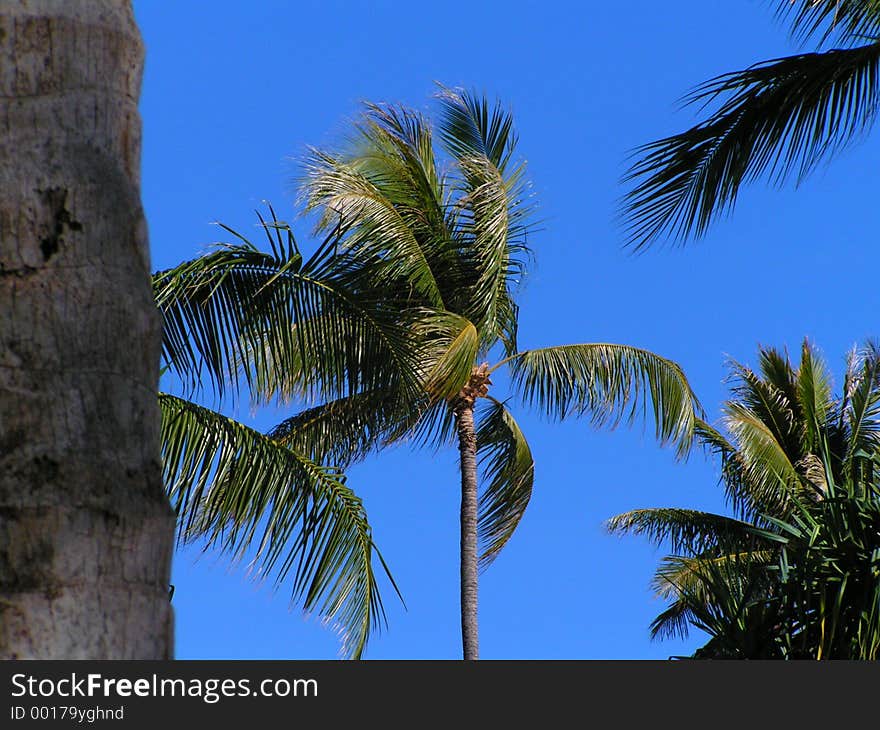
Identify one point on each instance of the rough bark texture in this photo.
(467, 445)
(86, 533)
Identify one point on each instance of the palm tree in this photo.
(779, 118)
(799, 470)
(425, 253)
(86, 532)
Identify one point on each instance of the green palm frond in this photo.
(780, 118)
(680, 574)
(508, 472)
(491, 209)
(611, 383)
(379, 212)
(814, 397)
(314, 328)
(244, 493)
(725, 596)
(341, 431)
(205, 327)
(684, 529)
(770, 477)
(673, 622)
(451, 344)
(472, 127)
(771, 395)
(861, 413)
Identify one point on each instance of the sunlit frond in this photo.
(770, 477)
(470, 126)
(861, 413)
(814, 397)
(610, 384)
(492, 207)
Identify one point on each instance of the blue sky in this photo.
(233, 92)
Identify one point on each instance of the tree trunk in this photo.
(86, 532)
(467, 445)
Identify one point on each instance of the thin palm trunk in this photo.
(86, 532)
(467, 445)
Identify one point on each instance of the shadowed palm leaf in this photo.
(779, 118)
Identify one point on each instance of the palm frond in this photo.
(341, 431)
(492, 212)
(845, 21)
(470, 126)
(381, 202)
(508, 472)
(771, 479)
(684, 529)
(451, 344)
(244, 493)
(862, 413)
(672, 622)
(814, 397)
(206, 327)
(610, 383)
(780, 117)
(316, 328)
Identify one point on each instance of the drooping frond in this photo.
(450, 346)
(217, 306)
(610, 383)
(508, 473)
(341, 431)
(673, 622)
(780, 118)
(687, 581)
(246, 494)
(684, 529)
(727, 598)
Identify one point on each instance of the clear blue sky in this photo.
(234, 91)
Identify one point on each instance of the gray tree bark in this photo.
(467, 445)
(86, 533)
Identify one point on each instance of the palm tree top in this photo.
(794, 458)
(451, 229)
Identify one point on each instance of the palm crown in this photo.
(799, 467)
(389, 329)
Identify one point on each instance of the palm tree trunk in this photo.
(86, 532)
(467, 445)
